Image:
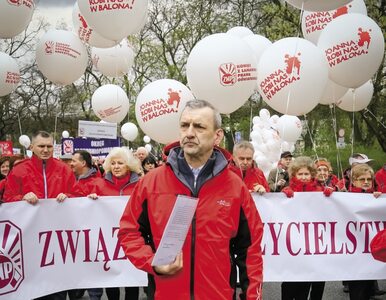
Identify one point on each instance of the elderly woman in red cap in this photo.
(324, 176)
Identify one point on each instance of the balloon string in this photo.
(300, 19)
(56, 126)
(335, 130)
(353, 124)
(312, 140)
(18, 118)
(250, 119)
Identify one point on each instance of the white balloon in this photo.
(110, 103)
(114, 20)
(264, 115)
(25, 141)
(65, 134)
(290, 128)
(292, 75)
(146, 139)
(353, 46)
(115, 61)
(61, 56)
(240, 31)
(129, 131)
(15, 17)
(332, 93)
(317, 5)
(86, 33)
(9, 74)
(258, 44)
(313, 22)
(148, 147)
(256, 120)
(158, 109)
(357, 99)
(220, 72)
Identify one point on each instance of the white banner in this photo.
(97, 130)
(54, 246)
(315, 238)
(59, 246)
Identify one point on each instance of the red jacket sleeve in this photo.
(248, 248)
(12, 189)
(133, 243)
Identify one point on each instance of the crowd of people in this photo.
(198, 167)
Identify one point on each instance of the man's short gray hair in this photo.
(243, 145)
(198, 104)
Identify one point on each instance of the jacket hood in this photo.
(175, 145)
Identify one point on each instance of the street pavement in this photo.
(271, 291)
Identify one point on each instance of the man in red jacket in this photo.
(226, 229)
(244, 166)
(40, 177)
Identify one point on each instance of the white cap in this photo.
(358, 158)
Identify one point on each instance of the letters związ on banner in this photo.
(59, 246)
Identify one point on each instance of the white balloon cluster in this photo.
(272, 135)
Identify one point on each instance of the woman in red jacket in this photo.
(362, 182)
(122, 172)
(302, 174)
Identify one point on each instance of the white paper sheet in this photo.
(176, 230)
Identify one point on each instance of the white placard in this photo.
(97, 130)
(175, 231)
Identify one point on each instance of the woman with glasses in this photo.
(362, 176)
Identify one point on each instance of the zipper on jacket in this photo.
(192, 257)
(45, 180)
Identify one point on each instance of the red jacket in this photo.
(226, 224)
(312, 186)
(2, 186)
(380, 178)
(85, 185)
(28, 176)
(112, 186)
(332, 181)
(251, 176)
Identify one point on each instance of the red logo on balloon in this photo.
(11, 258)
(292, 63)
(228, 74)
(364, 37)
(83, 21)
(15, 2)
(49, 47)
(174, 96)
(341, 11)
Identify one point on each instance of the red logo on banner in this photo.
(281, 78)
(68, 147)
(6, 148)
(228, 74)
(11, 258)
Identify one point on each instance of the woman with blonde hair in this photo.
(302, 172)
(122, 172)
